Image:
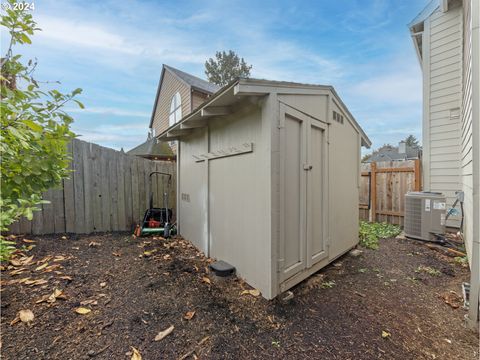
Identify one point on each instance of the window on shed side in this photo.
(175, 109)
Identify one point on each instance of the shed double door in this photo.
(303, 192)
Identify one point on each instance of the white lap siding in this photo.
(443, 102)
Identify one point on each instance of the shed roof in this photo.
(220, 104)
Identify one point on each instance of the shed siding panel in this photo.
(239, 195)
(193, 187)
(444, 103)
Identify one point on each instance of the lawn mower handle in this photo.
(164, 190)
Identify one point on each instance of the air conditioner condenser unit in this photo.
(425, 214)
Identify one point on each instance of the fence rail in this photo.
(383, 186)
(107, 191)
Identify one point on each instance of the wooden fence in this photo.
(107, 191)
(383, 186)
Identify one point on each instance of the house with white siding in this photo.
(447, 41)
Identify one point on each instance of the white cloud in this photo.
(402, 87)
(117, 136)
(83, 34)
(110, 111)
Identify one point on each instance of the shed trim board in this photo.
(255, 163)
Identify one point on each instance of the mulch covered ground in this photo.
(136, 288)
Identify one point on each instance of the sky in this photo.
(114, 51)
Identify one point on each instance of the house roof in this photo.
(395, 155)
(220, 103)
(153, 148)
(425, 13)
(193, 82)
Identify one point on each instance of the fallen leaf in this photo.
(15, 262)
(164, 333)
(189, 315)
(69, 278)
(253, 292)
(93, 244)
(386, 334)
(52, 267)
(45, 259)
(103, 284)
(166, 257)
(452, 298)
(206, 280)
(82, 310)
(14, 321)
(35, 282)
(59, 258)
(26, 260)
(89, 302)
(135, 354)
(26, 316)
(17, 271)
(57, 294)
(64, 238)
(116, 254)
(41, 267)
(28, 241)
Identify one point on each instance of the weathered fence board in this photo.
(383, 186)
(106, 191)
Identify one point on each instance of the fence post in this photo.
(417, 186)
(373, 191)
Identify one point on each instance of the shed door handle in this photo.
(307, 167)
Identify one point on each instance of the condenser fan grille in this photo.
(413, 216)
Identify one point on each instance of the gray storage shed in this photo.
(268, 179)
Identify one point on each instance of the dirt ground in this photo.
(136, 288)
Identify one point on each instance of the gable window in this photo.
(175, 109)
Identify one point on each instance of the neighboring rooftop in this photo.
(193, 81)
(153, 149)
(402, 152)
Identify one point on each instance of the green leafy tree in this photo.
(226, 67)
(34, 133)
(412, 142)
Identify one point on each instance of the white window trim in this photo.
(175, 109)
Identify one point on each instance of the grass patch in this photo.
(461, 260)
(328, 284)
(370, 233)
(428, 269)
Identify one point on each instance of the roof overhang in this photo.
(222, 103)
(416, 26)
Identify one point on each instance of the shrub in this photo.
(34, 133)
(370, 233)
